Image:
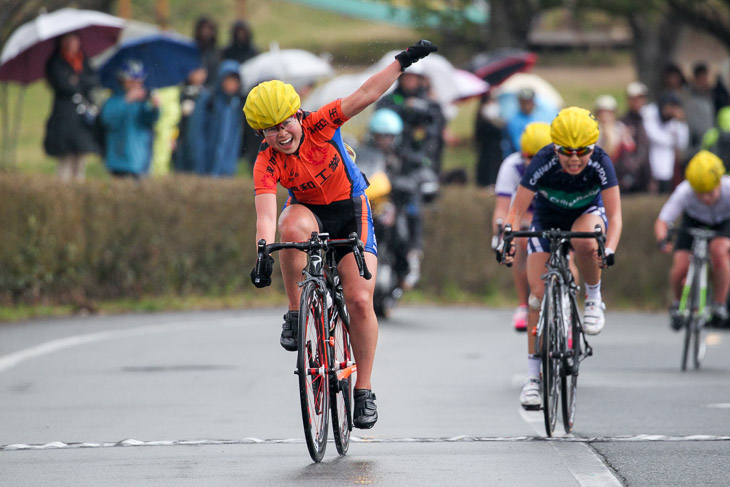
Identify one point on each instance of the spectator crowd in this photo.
(198, 127)
(650, 144)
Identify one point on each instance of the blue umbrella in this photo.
(167, 58)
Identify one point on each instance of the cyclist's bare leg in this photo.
(296, 224)
(678, 272)
(519, 270)
(535, 269)
(586, 248)
(720, 258)
(363, 322)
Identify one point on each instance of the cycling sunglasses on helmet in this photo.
(580, 151)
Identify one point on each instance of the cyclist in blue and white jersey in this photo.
(535, 137)
(703, 201)
(574, 186)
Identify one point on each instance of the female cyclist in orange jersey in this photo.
(304, 152)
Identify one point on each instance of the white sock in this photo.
(533, 367)
(593, 291)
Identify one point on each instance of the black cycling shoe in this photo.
(289, 330)
(676, 320)
(366, 412)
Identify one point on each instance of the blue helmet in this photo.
(132, 69)
(386, 121)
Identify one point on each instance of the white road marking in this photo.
(719, 405)
(589, 470)
(13, 359)
(580, 460)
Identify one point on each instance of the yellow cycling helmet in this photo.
(704, 171)
(574, 128)
(270, 103)
(535, 137)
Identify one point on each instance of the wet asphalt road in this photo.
(210, 399)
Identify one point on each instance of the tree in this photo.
(654, 27)
(711, 16)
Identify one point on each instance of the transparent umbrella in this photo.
(294, 66)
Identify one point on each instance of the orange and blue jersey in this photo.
(320, 174)
(321, 170)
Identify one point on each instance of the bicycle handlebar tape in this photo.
(415, 52)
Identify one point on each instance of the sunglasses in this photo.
(286, 124)
(580, 151)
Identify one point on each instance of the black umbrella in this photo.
(496, 66)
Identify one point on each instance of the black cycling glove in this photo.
(418, 51)
(263, 277)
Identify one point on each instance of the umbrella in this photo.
(168, 59)
(294, 66)
(338, 87)
(541, 87)
(495, 67)
(24, 56)
(468, 85)
(547, 99)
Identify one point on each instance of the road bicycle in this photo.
(325, 365)
(693, 310)
(560, 342)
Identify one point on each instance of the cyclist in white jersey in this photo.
(535, 137)
(703, 201)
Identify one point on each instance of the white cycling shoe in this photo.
(593, 319)
(530, 395)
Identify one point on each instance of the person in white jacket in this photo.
(668, 136)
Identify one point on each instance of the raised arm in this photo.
(377, 84)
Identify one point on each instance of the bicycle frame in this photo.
(327, 281)
(694, 292)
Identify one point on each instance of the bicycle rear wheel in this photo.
(550, 353)
(341, 383)
(312, 370)
(571, 365)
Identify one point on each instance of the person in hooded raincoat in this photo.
(241, 48)
(128, 118)
(215, 125)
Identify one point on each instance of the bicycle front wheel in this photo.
(341, 383)
(571, 365)
(698, 338)
(312, 370)
(550, 353)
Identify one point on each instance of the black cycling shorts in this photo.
(341, 218)
(684, 241)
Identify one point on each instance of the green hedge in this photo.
(65, 243)
(459, 257)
